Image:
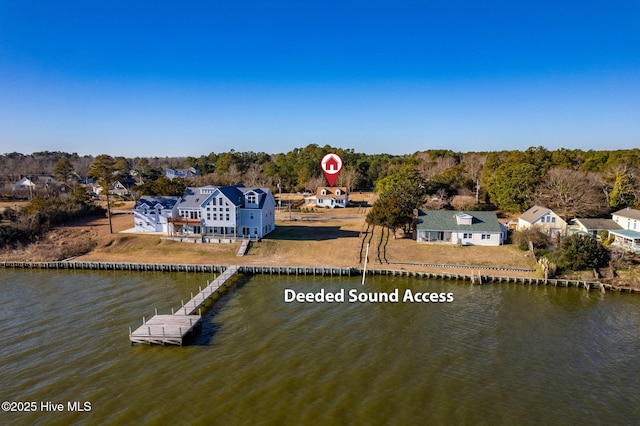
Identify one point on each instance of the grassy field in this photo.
(331, 238)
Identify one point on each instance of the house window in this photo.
(251, 199)
(215, 216)
(466, 236)
(553, 219)
(486, 236)
(213, 201)
(251, 215)
(227, 216)
(208, 216)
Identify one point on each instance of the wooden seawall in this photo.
(313, 271)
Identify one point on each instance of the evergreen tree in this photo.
(578, 252)
(63, 169)
(103, 169)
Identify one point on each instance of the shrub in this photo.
(539, 239)
(39, 216)
(578, 252)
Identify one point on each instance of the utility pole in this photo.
(279, 195)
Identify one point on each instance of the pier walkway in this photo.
(197, 301)
(173, 329)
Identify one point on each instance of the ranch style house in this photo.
(459, 227)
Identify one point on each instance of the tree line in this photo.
(572, 182)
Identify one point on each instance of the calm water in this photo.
(498, 354)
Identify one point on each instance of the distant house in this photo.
(332, 197)
(24, 184)
(151, 213)
(24, 188)
(181, 173)
(227, 212)
(629, 236)
(58, 189)
(543, 218)
(592, 227)
(459, 227)
(122, 187)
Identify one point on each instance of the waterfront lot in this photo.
(332, 238)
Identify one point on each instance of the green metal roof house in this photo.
(459, 227)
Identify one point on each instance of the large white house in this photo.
(544, 219)
(629, 236)
(226, 212)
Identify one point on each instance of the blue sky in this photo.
(169, 78)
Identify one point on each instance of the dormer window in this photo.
(251, 199)
(464, 219)
(324, 192)
(338, 192)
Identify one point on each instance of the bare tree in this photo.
(473, 165)
(349, 178)
(572, 193)
(254, 176)
(315, 182)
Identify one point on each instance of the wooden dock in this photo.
(198, 301)
(175, 328)
(165, 329)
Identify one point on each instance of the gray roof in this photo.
(629, 212)
(598, 224)
(445, 220)
(193, 198)
(534, 213)
(152, 200)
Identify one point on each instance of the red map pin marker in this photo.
(331, 165)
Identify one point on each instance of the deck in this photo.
(165, 329)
